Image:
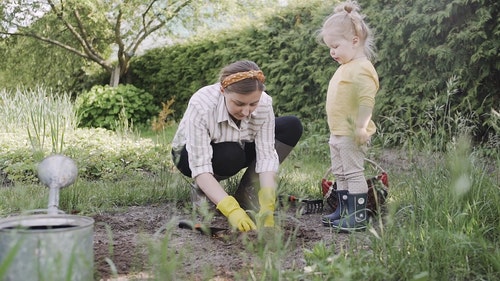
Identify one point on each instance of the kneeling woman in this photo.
(229, 126)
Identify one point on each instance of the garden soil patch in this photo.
(123, 239)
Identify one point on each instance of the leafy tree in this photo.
(28, 63)
(92, 29)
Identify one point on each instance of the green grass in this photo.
(442, 220)
(442, 224)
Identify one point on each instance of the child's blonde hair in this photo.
(346, 21)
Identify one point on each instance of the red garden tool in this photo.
(307, 206)
(378, 189)
(203, 229)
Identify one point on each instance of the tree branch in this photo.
(149, 28)
(101, 62)
(144, 15)
(90, 53)
(122, 61)
(118, 26)
(87, 44)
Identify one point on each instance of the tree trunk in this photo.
(115, 76)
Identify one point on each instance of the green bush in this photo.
(297, 68)
(437, 62)
(109, 107)
(421, 47)
(100, 154)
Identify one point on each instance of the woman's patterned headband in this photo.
(236, 77)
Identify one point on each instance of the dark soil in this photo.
(124, 237)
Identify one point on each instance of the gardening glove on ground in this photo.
(267, 201)
(236, 216)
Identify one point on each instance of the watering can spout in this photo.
(56, 171)
(53, 208)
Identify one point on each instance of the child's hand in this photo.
(361, 136)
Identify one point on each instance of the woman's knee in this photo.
(288, 129)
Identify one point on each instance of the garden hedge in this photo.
(422, 46)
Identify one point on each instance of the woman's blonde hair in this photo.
(347, 21)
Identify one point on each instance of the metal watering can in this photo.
(52, 246)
